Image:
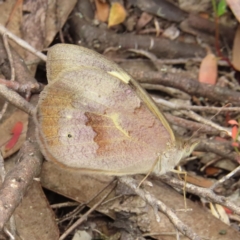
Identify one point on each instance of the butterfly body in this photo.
(93, 117)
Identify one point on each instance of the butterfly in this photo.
(94, 117)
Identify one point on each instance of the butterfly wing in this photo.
(90, 120)
(71, 57)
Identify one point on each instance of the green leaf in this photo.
(221, 8)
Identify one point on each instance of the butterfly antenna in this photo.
(225, 106)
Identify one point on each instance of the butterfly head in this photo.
(188, 146)
(175, 152)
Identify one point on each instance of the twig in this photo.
(157, 27)
(84, 216)
(23, 87)
(188, 85)
(166, 61)
(74, 213)
(22, 43)
(9, 54)
(13, 226)
(223, 179)
(65, 204)
(183, 228)
(178, 106)
(199, 118)
(11, 237)
(126, 41)
(147, 54)
(71, 215)
(4, 109)
(2, 168)
(11, 234)
(16, 100)
(174, 92)
(10, 59)
(191, 125)
(202, 192)
(18, 180)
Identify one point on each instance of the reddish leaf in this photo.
(220, 139)
(233, 122)
(17, 130)
(211, 171)
(227, 210)
(234, 125)
(234, 132)
(208, 69)
(235, 144)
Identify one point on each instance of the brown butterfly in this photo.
(93, 116)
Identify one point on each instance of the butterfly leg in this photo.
(151, 170)
(184, 186)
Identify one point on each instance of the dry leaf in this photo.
(171, 32)
(102, 10)
(6, 133)
(235, 7)
(199, 181)
(236, 50)
(16, 131)
(233, 122)
(219, 212)
(208, 70)
(144, 19)
(76, 186)
(57, 14)
(117, 14)
(212, 171)
(34, 217)
(234, 131)
(235, 126)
